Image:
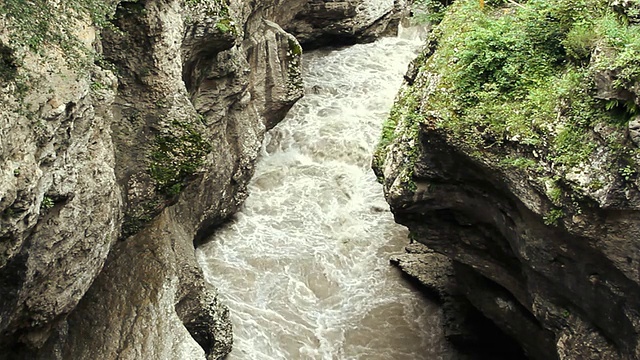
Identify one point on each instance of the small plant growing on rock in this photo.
(176, 155)
(553, 216)
(47, 203)
(226, 25)
(627, 172)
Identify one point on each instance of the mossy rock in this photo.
(176, 155)
(518, 87)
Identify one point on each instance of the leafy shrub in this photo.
(580, 42)
(523, 73)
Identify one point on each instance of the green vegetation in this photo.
(628, 172)
(38, 22)
(522, 85)
(47, 29)
(403, 121)
(554, 190)
(553, 216)
(218, 9)
(429, 11)
(176, 156)
(519, 162)
(526, 74)
(47, 203)
(225, 25)
(294, 57)
(294, 48)
(139, 216)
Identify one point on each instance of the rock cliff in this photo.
(129, 131)
(512, 151)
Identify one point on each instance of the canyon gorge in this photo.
(170, 167)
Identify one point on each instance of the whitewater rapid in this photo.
(304, 266)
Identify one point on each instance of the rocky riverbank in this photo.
(511, 151)
(127, 135)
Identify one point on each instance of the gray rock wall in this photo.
(111, 173)
(60, 205)
(564, 289)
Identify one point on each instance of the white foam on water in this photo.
(304, 266)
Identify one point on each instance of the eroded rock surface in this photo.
(112, 169)
(326, 22)
(60, 205)
(544, 245)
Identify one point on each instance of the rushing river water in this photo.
(304, 266)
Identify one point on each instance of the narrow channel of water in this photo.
(304, 267)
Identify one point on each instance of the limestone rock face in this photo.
(167, 147)
(60, 207)
(317, 23)
(110, 174)
(359, 20)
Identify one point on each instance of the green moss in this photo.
(217, 9)
(39, 27)
(595, 185)
(294, 56)
(519, 162)
(553, 217)
(403, 121)
(177, 155)
(226, 25)
(36, 23)
(524, 75)
(294, 48)
(136, 219)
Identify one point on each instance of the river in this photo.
(304, 266)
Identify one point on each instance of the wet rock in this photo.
(471, 333)
(432, 270)
(606, 90)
